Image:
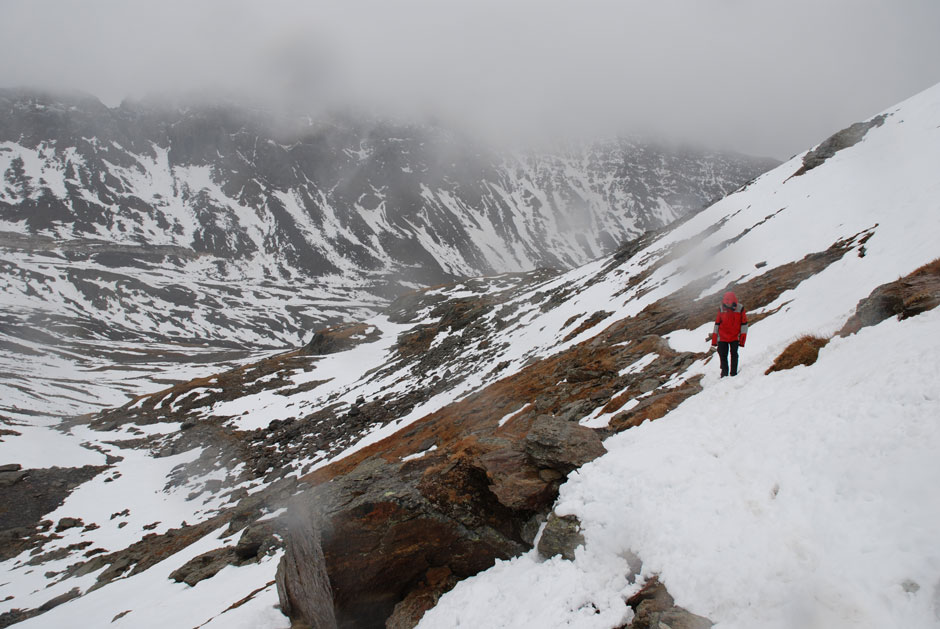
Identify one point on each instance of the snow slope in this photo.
(804, 498)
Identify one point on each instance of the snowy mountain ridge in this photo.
(410, 461)
(334, 197)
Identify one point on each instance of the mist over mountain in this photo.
(322, 197)
(228, 228)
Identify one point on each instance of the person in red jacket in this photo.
(730, 332)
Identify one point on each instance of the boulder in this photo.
(562, 534)
(254, 540)
(561, 445)
(204, 566)
(514, 482)
(68, 523)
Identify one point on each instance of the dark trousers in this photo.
(723, 347)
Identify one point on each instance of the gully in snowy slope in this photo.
(730, 332)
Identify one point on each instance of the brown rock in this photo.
(408, 613)
(383, 526)
(514, 482)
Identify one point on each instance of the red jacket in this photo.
(730, 324)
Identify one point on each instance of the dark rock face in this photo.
(303, 586)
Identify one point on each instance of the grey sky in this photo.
(759, 76)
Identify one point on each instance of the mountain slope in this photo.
(799, 498)
(333, 197)
(417, 448)
(149, 230)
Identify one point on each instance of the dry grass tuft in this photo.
(931, 268)
(802, 351)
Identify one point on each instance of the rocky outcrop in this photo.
(383, 527)
(850, 136)
(303, 585)
(204, 566)
(906, 297)
(339, 338)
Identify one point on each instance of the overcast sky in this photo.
(759, 76)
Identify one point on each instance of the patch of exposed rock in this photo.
(906, 297)
(28, 495)
(340, 338)
(850, 136)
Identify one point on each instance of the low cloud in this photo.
(762, 77)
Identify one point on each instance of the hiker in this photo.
(730, 332)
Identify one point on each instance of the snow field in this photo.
(804, 498)
(152, 600)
